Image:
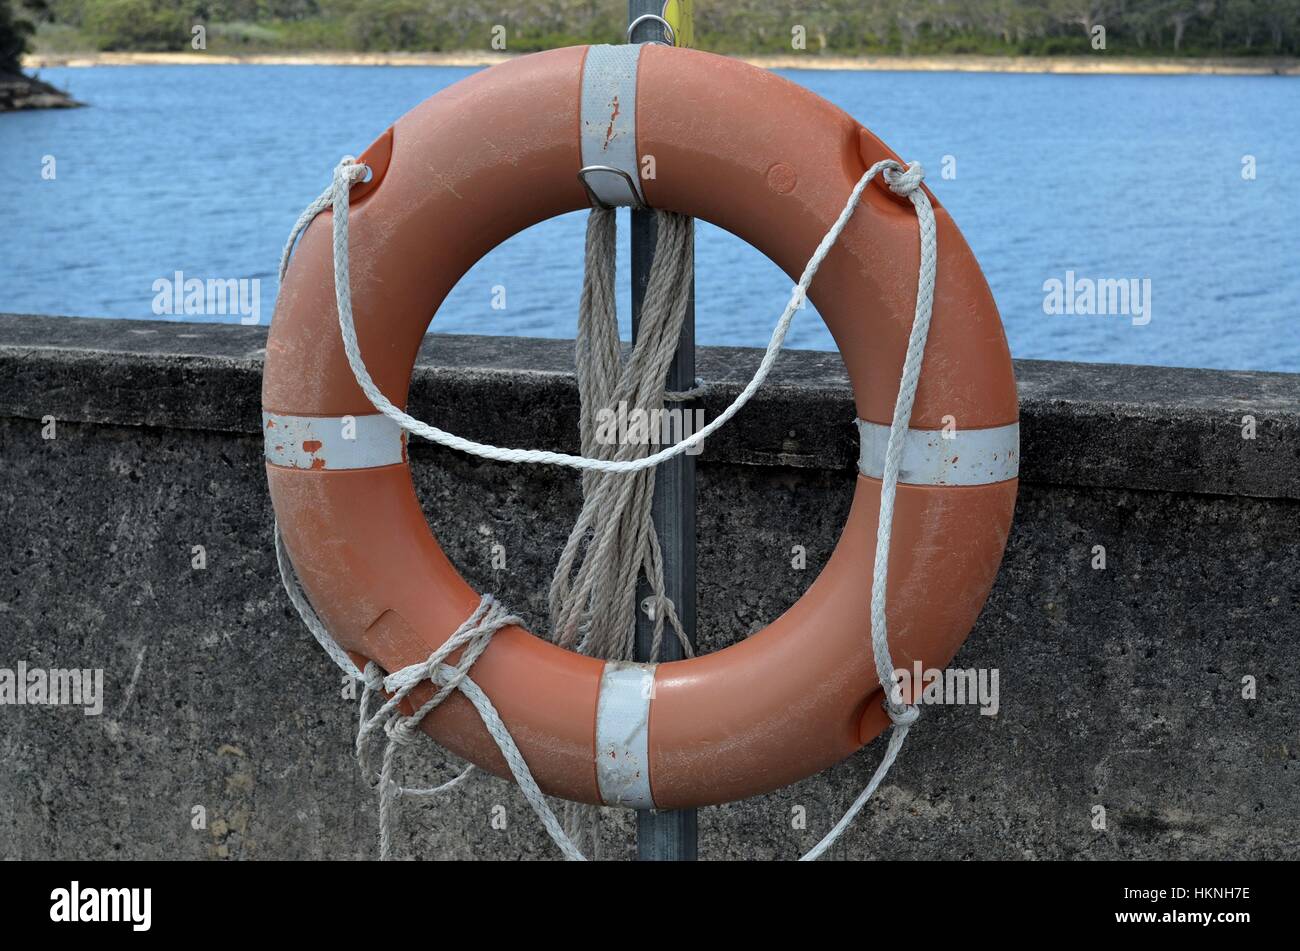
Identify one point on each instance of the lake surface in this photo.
(204, 170)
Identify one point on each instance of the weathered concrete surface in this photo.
(1120, 687)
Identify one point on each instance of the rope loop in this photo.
(401, 729)
(904, 180)
(655, 606)
(902, 714)
(349, 171)
(337, 197)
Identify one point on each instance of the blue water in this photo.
(204, 170)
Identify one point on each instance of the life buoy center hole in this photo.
(503, 526)
(529, 286)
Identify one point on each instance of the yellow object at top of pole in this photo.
(681, 16)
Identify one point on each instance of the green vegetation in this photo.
(15, 28)
(1030, 27)
(136, 24)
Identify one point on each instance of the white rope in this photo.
(336, 196)
(476, 633)
(308, 614)
(905, 182)
(473, 636)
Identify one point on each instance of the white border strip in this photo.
(964, 457)
(623, 734)
(608, 121)
(367, 441)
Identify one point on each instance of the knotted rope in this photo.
(477, 631)
(474, 636)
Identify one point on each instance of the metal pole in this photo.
(670, 834)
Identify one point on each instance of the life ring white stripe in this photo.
(936, 457)
(623, 734)
(608, 122)
(367, 441)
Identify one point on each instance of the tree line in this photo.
(1029, 27)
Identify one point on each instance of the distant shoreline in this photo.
(1099, 64)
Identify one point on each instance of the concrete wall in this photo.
(1120, 687)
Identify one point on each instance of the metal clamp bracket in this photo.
(636, 202)
(609, 162)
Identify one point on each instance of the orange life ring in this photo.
(770, 162)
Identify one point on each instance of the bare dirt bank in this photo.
(1100, 64)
